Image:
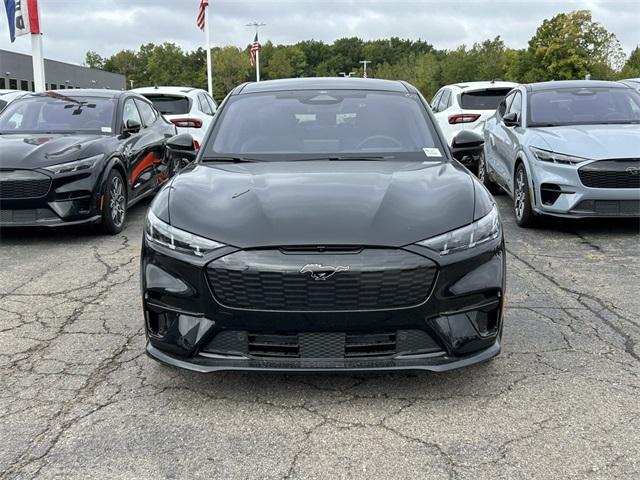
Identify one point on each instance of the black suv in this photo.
(325, 225)
(81, 156)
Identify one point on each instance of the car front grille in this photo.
(624, 173)
(623, 208)
(17, 217)
(322, 344)
(366, 279)
(23, 184)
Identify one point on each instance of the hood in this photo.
(321, 202)
(40, 150)
(595, 142)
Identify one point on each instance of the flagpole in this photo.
(208, 47)
(258, 66)
(38, 62)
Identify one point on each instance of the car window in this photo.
(323, 122)
(488, 99)
(147, 112)
(58, 113)
(504, 105)
(130, 112)
(435, 101)
(204, 105)
(583, 106)
(170, 104)
(445, 101)
(212, 103)
(516, 104)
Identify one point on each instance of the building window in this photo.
(61, 87)
(3, 84)
(33, 86)
(24, 85)
(13, 84)
(54, 86)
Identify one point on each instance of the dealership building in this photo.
(16, 73)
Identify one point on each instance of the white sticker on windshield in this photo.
(105, 129)
(432, 152)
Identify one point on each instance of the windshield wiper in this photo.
(340, 158)
(229, 159)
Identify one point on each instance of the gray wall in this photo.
(56, 74)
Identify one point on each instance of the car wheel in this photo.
(522, 198)
(114, 209)
(483, 176)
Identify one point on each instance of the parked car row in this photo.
(561, 148)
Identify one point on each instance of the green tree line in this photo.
(567, 46)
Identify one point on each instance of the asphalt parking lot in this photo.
(79, 399)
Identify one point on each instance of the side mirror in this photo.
(511, 119)
(466, 143)
(181, 150)
(132, 126)
(182, 142)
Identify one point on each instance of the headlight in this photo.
(75, 166)
(479, 232)
(547, 156)
(161, 233)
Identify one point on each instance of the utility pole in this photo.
(257, 25)
(365, 63)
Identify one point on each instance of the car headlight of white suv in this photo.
(553, 157)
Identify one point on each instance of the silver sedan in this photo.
(566, 148)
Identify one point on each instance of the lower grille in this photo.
(18, 217)
(611, 174)
(322, 344)
(630, 208)
(368, 279)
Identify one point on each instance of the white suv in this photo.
(189, 109)
(466, 106)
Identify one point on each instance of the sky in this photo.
(71, 27)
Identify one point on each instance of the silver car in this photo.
(566, 148)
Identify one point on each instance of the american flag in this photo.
(255, 47)
(203, 5)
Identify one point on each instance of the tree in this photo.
(230, 68)
(632, 66)
(286, 62)
(570, 46)
(93, 60)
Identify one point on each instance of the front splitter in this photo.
(441, 363)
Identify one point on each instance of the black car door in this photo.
(155, 133)
(139, 150)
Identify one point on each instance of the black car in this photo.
(324, 226)
(80, 157)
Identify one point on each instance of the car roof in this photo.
(82, 92)
(323, 83)
(160, 89)
(555, 84)
(483, 84)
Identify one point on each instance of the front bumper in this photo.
(68, 200)
(559, 191)
(458, 324)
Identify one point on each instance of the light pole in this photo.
(256, 25)
(365, 63)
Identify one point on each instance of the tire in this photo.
(522, 198)
(483, 176)
(114, 204)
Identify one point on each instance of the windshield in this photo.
(313, 123)
(170, 104)
(584, 106)
(58, 113)
(488, 99)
